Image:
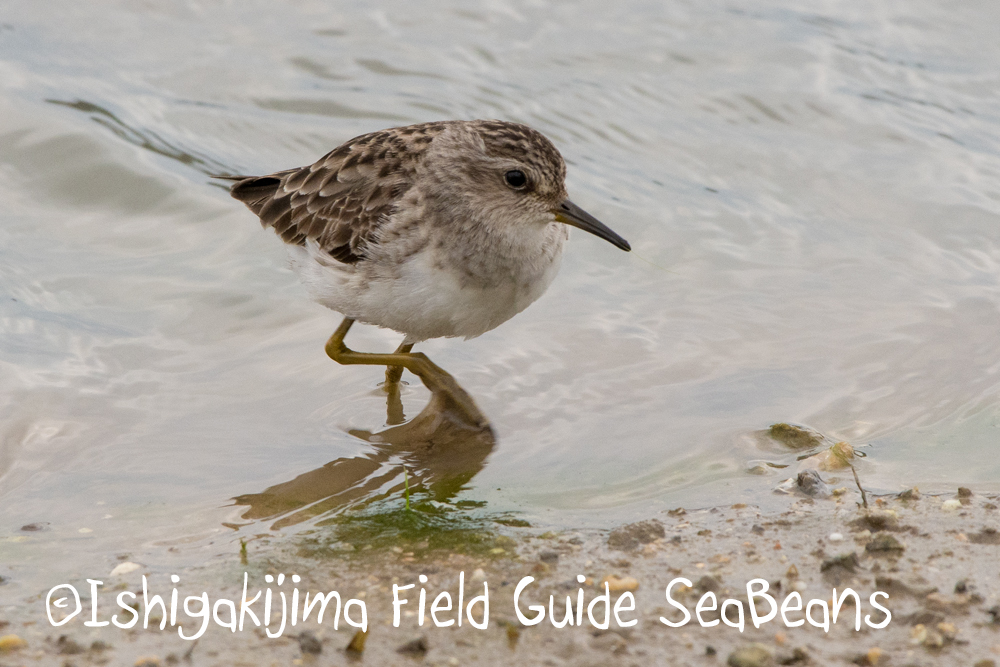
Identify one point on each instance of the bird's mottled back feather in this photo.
(341, 200)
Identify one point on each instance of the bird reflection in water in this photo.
(439, 450)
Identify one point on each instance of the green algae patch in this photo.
(512, 522)
(794, 437)
(424, 530)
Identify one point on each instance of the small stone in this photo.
(994, 613)
(836, 537)
(884, 544)
(417, 647)
(964, 492)
(147, 661)
(9, 643)
(951, 505)
(631, 536)
(848, 561)
(811, 484)
(548, 556)
(948, 630)
(873, 656)
(124, 568)
(910, 494)
(308, 643)
(34, 527)
(985, 663)
(616, 584)
(934, 640)
(757, 529)
(751, 655)
(67, 646)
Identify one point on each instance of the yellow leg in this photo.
(393, 373)
(393, 401)
(434, 378)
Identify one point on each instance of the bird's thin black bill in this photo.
(571, 214)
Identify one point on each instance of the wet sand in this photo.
(936, 557)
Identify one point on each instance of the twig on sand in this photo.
(864, 498)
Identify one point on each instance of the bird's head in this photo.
(506, 174)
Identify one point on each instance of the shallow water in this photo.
(813, 196)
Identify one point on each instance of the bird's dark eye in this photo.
(515, 179)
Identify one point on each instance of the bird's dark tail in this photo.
(254, 191)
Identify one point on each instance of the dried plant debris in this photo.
(837, 457)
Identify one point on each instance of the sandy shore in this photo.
(937, 559)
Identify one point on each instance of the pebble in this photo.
(951, 505)
(633, 535)
(125, 568)
(616, 584)
(752, 655)
(810, 483)
(33, 527)
(147, 661)
(308, 643)
(10, 643)
(68, 646)
(415, 647)
(883, 543)
(836, 537)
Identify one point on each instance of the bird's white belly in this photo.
(422, 298)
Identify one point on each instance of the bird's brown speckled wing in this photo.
(342, 199)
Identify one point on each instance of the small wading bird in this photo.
(431, 230)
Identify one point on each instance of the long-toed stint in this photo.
(432, 230)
